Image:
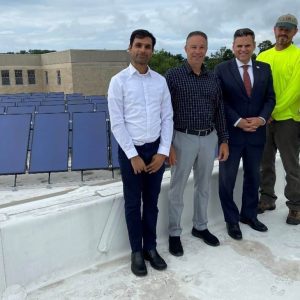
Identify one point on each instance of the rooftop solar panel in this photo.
(86, 107)
(49, 150)
(51, 108)
(20, 109)
(8, 104)
(14, 137)
(27, 103)
(53, 102)
(90, 143)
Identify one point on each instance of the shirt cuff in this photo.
(163, 150)
(131, 153)
(237, 122)
(264, 120)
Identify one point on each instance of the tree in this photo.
(228, 54)
(162, 60)
(218, 57)
(30, 51)
(264, 45)
(37, 51)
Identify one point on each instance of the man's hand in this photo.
(138, 164)
(270, 120)
(255, 122)
(250, 124)
(156, 163)
(172, 156)
(223, 152)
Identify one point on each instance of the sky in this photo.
(107, 24)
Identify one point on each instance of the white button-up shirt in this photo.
(250, 69)
(140, 110)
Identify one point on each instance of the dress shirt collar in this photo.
(240, 64)
(133, 70)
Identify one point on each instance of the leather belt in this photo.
(201, 132)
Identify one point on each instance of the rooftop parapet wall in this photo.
(32, 60)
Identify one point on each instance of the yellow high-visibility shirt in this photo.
(285, 65)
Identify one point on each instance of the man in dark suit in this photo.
(249, 99)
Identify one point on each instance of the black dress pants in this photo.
(141, 193)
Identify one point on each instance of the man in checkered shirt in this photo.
(199, 125)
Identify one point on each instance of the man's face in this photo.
(243, 48)
(196, 48)
(284, 36)
(141, 51)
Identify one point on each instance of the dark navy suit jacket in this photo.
(239, 105)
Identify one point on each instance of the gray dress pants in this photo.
(197, 152)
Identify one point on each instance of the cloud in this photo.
(66, 24)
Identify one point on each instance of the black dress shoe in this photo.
(156, 261)
(234, 231)
(254, 224)
(175, 247)
(138, 266)
(206, 236)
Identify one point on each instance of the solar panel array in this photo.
(55, 135)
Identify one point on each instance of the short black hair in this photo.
(244, 32)
(193, 33)
(140, 34)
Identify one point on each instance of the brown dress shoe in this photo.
(293, 218)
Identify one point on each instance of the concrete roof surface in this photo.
(260, 267)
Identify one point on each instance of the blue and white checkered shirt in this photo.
(197, 100)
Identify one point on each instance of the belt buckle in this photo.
(202, 132)
(205, 132)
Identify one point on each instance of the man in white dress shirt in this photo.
(142, 122)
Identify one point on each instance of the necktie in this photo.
(247, 81)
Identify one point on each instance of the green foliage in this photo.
(37, 51)
(162, 60)
(217, 57)
(31, 51)
(264, 45)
